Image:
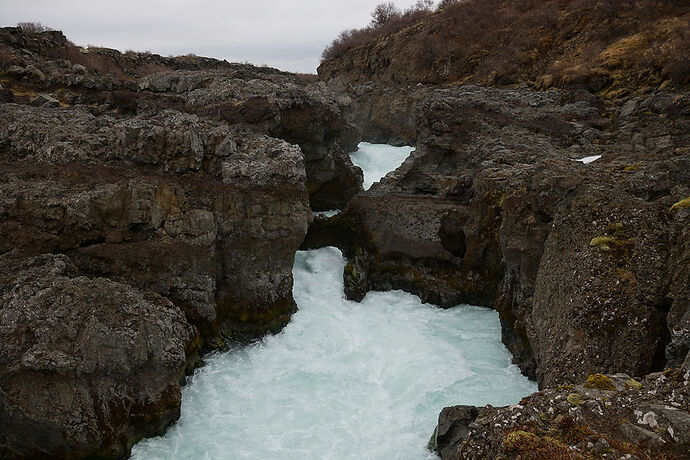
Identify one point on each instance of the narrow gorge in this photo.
(204, 259)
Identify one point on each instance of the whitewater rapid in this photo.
(343, 380)
(377, 160)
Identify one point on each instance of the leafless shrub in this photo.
(33, 27)
(445, 3)
(386, 19)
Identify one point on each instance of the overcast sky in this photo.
(288, 34)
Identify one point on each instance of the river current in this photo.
(343, 380)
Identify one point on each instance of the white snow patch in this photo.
(587, 160)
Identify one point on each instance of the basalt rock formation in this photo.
(47, 70)
(147, 214)
(585, 263)
(88, 364)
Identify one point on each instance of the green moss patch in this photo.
(530, 446)
(352, 274)
(575, 399)
(600, 382)
(682, 204)
(633, 384)
(603, 242)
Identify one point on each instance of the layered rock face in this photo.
(586, 263)
(213, 238)
(145, 217)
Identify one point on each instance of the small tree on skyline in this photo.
(33, 27)
(384, 12)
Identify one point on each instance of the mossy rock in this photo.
(575, 399)
(675, 373)
(682, 204)
(631, 383)
(433, 443)
(603, 242)
(352, 274)
(614, 227)
(516, 439)
(529, 445)
(600, 382)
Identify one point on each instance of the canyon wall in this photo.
(150, 210)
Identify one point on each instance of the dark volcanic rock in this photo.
(105, 191)
(603, 305)
(452, 429)
(88, 365)
(296, 109)
(157, 185)
(307, 115)
(203, 217)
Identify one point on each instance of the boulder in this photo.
(88, 365)
(611, 416)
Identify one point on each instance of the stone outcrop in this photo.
(202, 216)
(147, 214)
(493, 209)
(278, 105)
(87, 364)
(159, 202)
(45, 68)
(609, 416)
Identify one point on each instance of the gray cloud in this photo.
(289, 34)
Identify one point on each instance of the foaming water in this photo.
(329, 213)
(343, 380)
(377, 160)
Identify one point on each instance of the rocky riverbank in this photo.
(609, 416)
(150, 210)
(565, 212)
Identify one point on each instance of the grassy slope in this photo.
(612, 46)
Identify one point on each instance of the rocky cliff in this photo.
(586, 263)
(46, 69)
(565, 212)
(147, 214)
